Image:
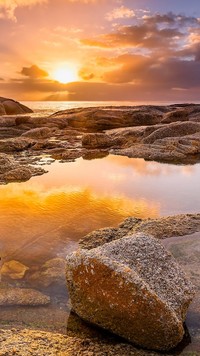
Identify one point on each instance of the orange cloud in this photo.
(8, 7)
(34, 72)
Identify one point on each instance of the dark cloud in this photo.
(34, 72)
(145, 89)
(171, 19)
(136, 36)
(151, 32)
(155, 73)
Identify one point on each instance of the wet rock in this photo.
(51, 272)
(132, 287)
(12, 107)
(160, 228)
(71, 154)
(38, 133)
(13, 269)
(22, 296)
(95, 154)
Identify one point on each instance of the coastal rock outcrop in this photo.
(12, 171)
(12, 107)
(161, 133)
(98, 119)
(132, 287)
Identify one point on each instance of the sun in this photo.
(65, 75)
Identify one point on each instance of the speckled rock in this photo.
(22, 296)
(38, 133)
(27, 342)
(132, 287)
(160, 228)
(15, 144)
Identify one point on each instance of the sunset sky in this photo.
(139, 50)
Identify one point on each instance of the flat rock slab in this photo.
(132, 287)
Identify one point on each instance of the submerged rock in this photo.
(132, 287)
(51, 272)
(13, 269)
(22, 296)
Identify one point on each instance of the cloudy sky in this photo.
(140, 50)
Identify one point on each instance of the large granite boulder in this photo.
(132, 287)
(12, 107)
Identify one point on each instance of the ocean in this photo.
(46, 108)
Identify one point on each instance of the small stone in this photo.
(14, 269)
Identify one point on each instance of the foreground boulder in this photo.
(12, 107)
(132, 287)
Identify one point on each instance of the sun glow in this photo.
(65, 74)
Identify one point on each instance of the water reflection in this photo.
(38, 225)
(42, 219)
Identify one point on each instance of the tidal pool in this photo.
(44, 218)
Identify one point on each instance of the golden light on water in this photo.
(48, 221)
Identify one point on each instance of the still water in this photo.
(46, 216)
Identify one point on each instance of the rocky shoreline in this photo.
(160, 133)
